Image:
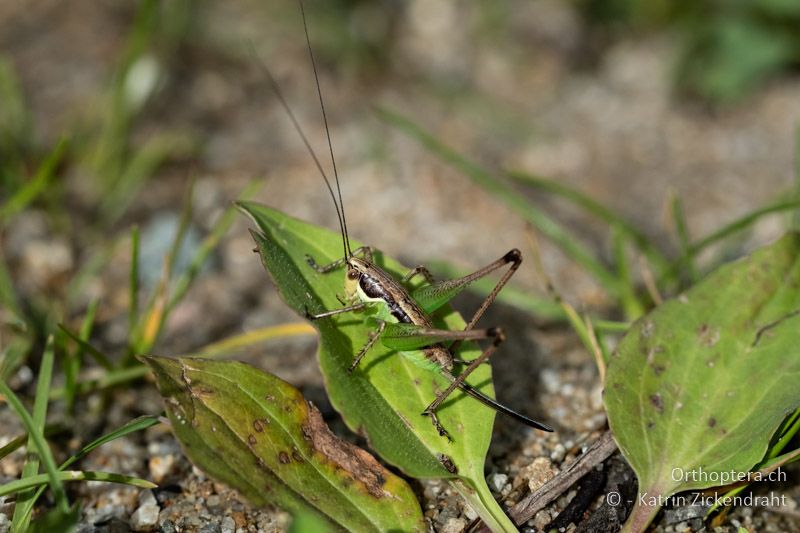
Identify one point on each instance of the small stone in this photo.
(536, 474)
(469, 513)
(558, 454)
(213, 503)
(498, 481)
(541, 519)
(239, 519)
(682, 514)
(5, 523)
(210, 527)
(145, 517)
(161, 466)
(454, 525)
(227, 525)
(146, 497)
(117, 525)
(168, 526)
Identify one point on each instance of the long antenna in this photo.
(279, 94)
(348, 251)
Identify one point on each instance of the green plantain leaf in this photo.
(256, 433)
(384, 397)
(697, 388)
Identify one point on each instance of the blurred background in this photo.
(631, 103)
(110, 109)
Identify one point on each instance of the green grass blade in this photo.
(787, 433)
(249, 338)
(137, 424)
(743, 223)
(152, 321)
(109, 155)
(567, 242)
(682, 232)
(770, 465)
(8, 294)
(208, 245)
(28, 193)
(14, 354)
(133, 283)
(56, 520)
(656, 257)
(19, 485)
(83, 345)
(738, 225)
(15, 126)
(40, 445)
(19, 441)
(141, 167)
(73, 359)
(631, 305)
(88, 272)
(110, 379)
(25, 501)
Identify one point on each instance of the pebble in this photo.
(160, 466)
(454, 525)
(541, 519)
(228, 525)
(536, 474)
(5, 523)
(145, 517)
(498, 481)
(469, 512)
(558, 453)
(210, 527)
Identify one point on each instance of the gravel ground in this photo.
(509, 99)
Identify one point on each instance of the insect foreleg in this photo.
(373, 337)
(365, 251)
(419, 270)
(348, 309)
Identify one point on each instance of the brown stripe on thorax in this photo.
(378, 284)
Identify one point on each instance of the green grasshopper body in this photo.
(402, 321)
(402, 317)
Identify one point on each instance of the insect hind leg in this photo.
(498, 337)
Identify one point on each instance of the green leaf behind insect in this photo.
(384, 397)
(703, 382)
(256, 433)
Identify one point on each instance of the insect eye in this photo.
(352, 274)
